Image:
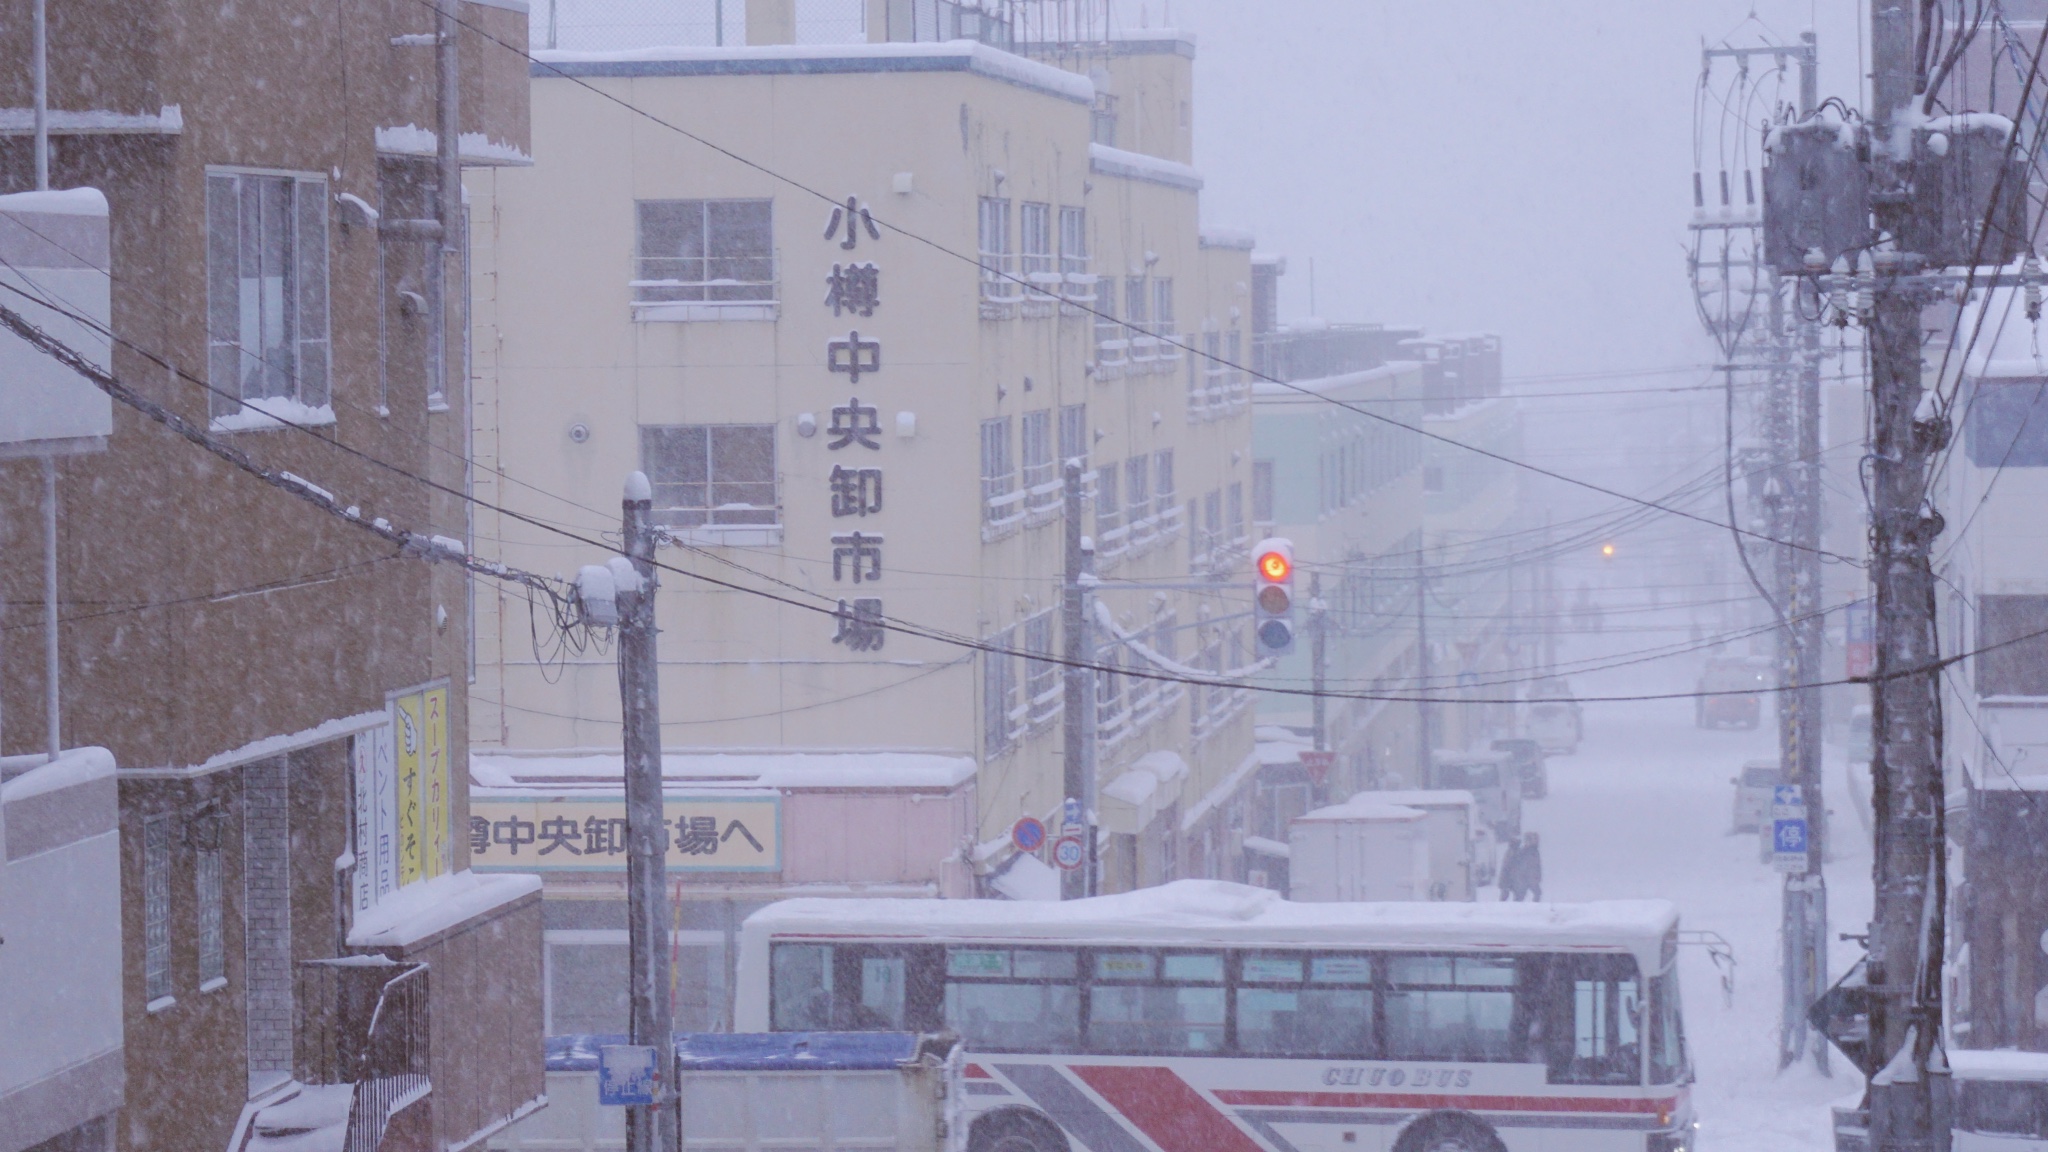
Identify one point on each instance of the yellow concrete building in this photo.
(839, 303)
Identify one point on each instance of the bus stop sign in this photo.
(1788, 829)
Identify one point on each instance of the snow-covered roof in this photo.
(1418, 798)
(1106, 161)
(24, 776)
(475, 147)
(167, 120)
(1364, 806)
(818, 59)
(1997, 1064)
(1389, 371)
(418, 912)
(57, 202)
(504, 773)
(1217, 912)
(1027, 878)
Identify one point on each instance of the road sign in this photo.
(1067, 852)
(1318, 764)
(1788, 829)
(627, 1074)
(1027, 834)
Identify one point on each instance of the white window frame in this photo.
(662, 298)
(750, 523)
(304, 304)
(157, 984)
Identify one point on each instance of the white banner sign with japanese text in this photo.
(588, 833)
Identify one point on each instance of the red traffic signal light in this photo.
(1275, 566)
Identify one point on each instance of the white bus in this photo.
(1203, 1016)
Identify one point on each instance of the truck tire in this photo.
(1015, 1131)
(1448, 1132)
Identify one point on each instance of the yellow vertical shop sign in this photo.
(435, 847)
(408, 716)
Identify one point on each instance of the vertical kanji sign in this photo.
(409, 726)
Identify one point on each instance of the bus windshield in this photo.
(1588, 1018)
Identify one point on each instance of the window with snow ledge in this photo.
(705, 260)
(714, 483)
(269, 360)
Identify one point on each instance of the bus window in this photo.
(882, 980)
(1667, 1032)
(2001, 1107)
(1452, 1008)
(800, 987)
(852, 988)
(1595, 1014)
(1013, 1000)
(1142, 1002)
(1277, 1015)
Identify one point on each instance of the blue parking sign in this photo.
(627, 1074)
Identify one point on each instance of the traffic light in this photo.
(1273, 597)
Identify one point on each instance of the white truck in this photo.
(1405, 845)
(767, 1092)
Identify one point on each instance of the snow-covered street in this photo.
(1643, 809)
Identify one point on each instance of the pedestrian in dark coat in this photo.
(1521, 871)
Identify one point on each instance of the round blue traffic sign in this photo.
(1027, 834)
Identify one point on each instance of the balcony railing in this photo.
(365, 1023)
(705, 288)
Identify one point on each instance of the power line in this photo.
(827, 198)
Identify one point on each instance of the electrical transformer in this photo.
(1969, 193)
(1816, 195)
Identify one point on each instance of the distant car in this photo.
(1489, 777)
(1860, 749)
(1526, 757)
(1731, 693)
(1552, 718)
(1753, 794)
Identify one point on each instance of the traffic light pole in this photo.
(1425, 738)
(1077, 777)
(1318, 656)
(1906, 937)
(649, 1128)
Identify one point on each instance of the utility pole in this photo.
(1318, 656)
(1077, 777)
(1906, 935)
(1732, 288)
(649, 1128)
(1425, 738)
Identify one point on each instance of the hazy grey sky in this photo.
(1478, 164)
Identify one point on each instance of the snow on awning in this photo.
(476, 149)
(1027, 878)
(1148, 787)
(1106, 161)
(168, 120)
(501, 773)
(417, 913)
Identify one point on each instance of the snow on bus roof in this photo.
(1220, 912)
